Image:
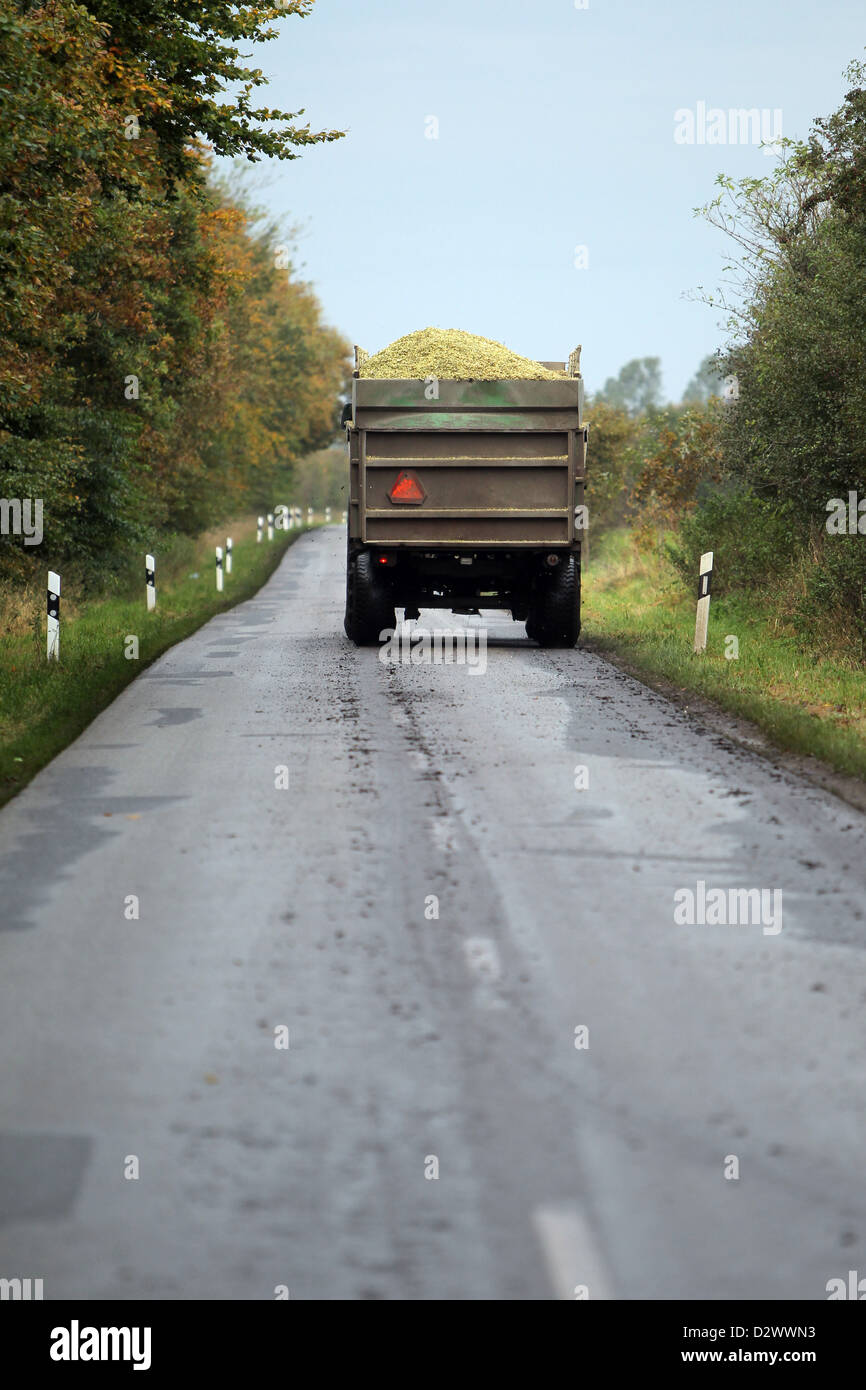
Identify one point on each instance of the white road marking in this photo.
(570, 1252)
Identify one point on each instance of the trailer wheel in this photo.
(369, 605)
(554, 612)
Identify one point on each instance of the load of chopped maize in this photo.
(452, 355)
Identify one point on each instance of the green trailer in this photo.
(466, 495)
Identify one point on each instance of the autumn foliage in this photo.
(161, 365)
(682, 454)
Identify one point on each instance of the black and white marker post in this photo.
(259, 527)
(53, 616)
(270, 526)
(228, 555)
(703, 613)
(219, 568)
(150, 581)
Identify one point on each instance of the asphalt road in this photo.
(150, 1042)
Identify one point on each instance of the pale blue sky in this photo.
(555, 130)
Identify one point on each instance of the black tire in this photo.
(554, 614)
(369, 604)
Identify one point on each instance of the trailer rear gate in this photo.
(501, 462)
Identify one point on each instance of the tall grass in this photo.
(806, 698)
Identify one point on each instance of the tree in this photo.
(797, 429)
(611, 464)
(157, 367)
(795, 437)
(706, 383)
(191, 80)
(683, 454)
(637, 388)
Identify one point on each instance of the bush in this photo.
(835, 593)
(751, 540)
(610, 465)
(680, 455)
(793, 432)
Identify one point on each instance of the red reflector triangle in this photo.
(407, 489)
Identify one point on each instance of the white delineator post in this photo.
(219, 568)
(310, 515)
(327, 513)
(261, 522)
(53, 616)
(703, 613)
(228, 555)
(270, 526)
(150, 581)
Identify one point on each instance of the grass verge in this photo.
(636, 611)
(45, 705)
